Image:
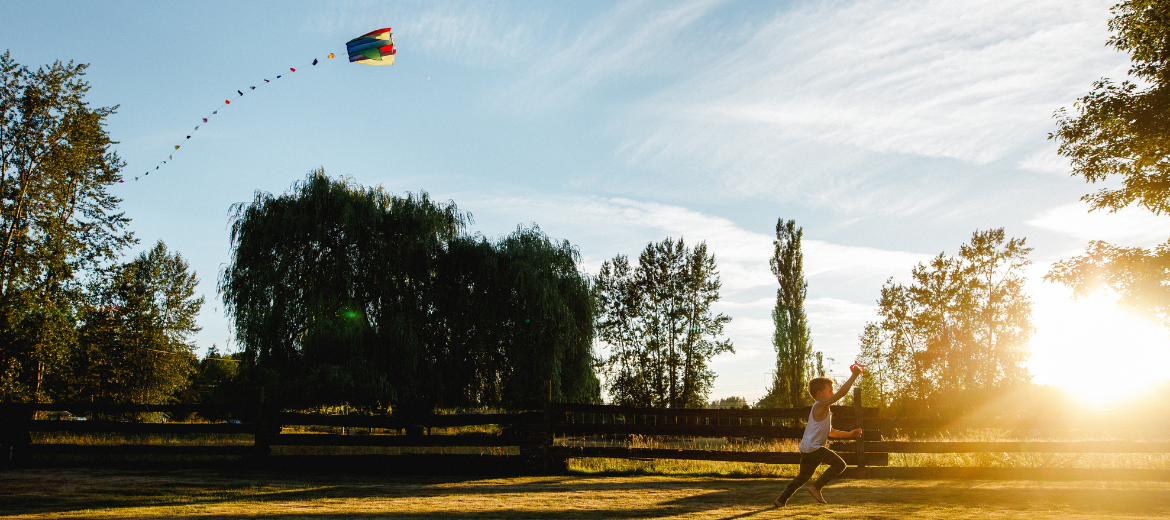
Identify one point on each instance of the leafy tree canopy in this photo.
(1121, 132)
(58, 223)
(791, 338)
(347, 294)
(136, 341)
(961, 325)
(657, 320)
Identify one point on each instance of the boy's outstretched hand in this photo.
(857, 370)
(855, 433)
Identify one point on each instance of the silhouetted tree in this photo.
(346, 294)
(135, 344)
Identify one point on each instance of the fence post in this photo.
(15, 436)
(260, 438)
(547, 441)
(859, 412)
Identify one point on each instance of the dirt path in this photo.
(45, 493)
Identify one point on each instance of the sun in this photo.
(1097, 351)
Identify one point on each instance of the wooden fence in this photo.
(533, 432)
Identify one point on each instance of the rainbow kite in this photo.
(373, 48)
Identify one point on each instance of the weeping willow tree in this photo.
(347, 294)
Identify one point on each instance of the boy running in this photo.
(813, 453)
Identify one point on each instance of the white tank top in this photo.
(816, 432)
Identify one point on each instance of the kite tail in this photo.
(226, 102)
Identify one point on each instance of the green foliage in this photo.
(796, 362)
(962, 324)
(657, 321)
(1122, 133)
(1139, 275)
(345, 294)
(135, 344)
(214, 380)
(57, 221)
(1124, 130)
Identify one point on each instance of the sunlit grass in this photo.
(607, 466)
(168, 494)
(110, 439)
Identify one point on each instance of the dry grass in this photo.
(597, 466)
(42, 493)
(739, 469)
(108, 439)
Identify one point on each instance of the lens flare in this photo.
(1098, 351)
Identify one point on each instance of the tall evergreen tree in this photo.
(795, 360)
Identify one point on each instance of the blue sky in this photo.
(889, 130)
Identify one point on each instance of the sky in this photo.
(889, 130)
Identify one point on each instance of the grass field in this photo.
(93, 493)
(1148, 461)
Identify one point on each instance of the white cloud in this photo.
(633, 39)
(1046, 161)
(603, 227)
(824, 258)
(967, 80)
(830, 312)
(799, 110)
(472, 33)
(1129, 227)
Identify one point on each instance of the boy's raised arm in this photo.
(843, 391)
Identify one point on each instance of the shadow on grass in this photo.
(63, 492)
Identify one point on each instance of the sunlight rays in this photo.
(1097, 351)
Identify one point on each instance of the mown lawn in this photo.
(93, 493)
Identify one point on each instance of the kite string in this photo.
(226, 102)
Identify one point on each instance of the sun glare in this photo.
(1099, 352)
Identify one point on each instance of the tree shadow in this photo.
(120, 490)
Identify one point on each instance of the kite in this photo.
(372, 48)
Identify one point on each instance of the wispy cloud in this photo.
(967, 80)
(604, 227)
(1046, 161)
(1130, 226)
(471, 33)
(632, 39)
(819, 102)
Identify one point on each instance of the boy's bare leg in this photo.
(836, 466)
(816, 493)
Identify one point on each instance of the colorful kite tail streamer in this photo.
(379, 43)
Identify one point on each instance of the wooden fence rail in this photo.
(532, 430)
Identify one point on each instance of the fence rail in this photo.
(533, 432)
